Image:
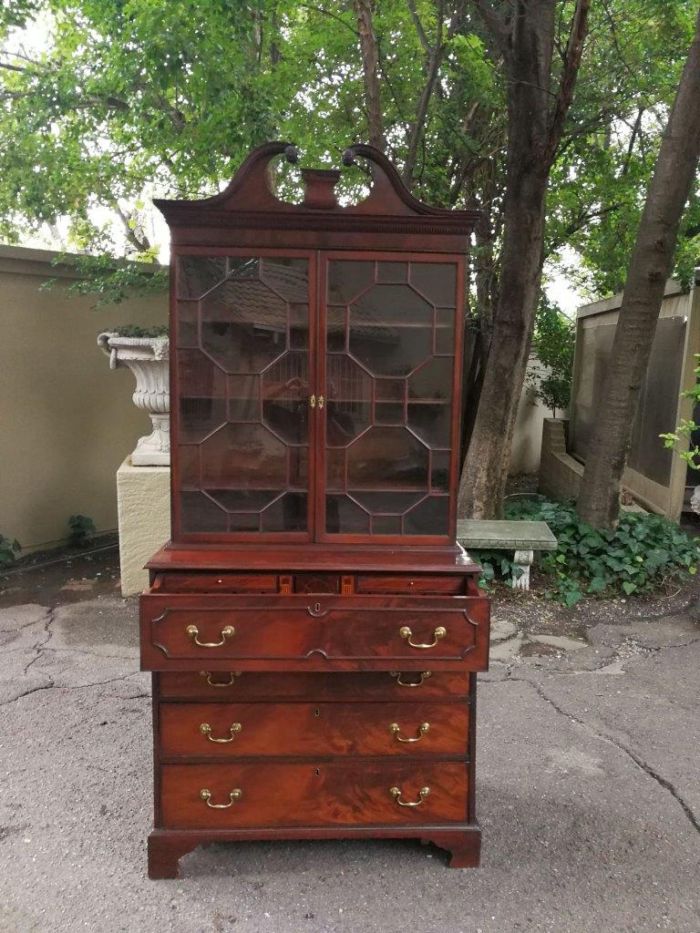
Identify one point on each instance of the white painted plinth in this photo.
(143, 501)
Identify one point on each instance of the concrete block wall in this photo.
(560, 474)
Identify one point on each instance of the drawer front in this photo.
(313, 633)
(380, 583)
(395, 686)
(231, 796)
(217, 582)
(220, 730)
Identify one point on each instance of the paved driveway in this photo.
(588, 795)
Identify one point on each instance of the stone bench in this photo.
(524, 538)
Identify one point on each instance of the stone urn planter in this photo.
(148, 359)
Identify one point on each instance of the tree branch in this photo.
(324, 12)
(370, 58)
(572, 61)
(418, 125)
(419, 26)
(139, 244)
(633, 139)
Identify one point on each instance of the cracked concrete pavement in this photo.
(588, 793)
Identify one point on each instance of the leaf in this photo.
(628, 587)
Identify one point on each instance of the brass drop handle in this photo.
(220, 683)
(395, 729)
(234, 795)
(312, 401)
(396, 794)
(321, 402)
(410, 683)
(228, 631)
(234, 729)
(405, 632)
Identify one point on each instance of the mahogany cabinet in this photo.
(313, 629)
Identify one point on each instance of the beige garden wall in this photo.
(66, 420)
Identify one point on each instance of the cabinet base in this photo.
(167, 846)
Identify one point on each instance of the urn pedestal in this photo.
(148, 359)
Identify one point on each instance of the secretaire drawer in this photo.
(224, 730)
(394, 686)
(314, 793)
(313, 633)
(405, 583)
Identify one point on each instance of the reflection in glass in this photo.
(387, 322)
(243, 416)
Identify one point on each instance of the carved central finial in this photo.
(319, 185)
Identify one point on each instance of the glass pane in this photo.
(243, 378)
(430, 517)
(390, 377)
(436, 281)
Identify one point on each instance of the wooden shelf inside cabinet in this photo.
(313, 609)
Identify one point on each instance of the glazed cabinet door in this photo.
(391, 364)
(243, 376)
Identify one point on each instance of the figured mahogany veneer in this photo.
(313, 793)
(305, 634)
(225, 730)
(391, 686)
(313, 628)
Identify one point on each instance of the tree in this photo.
(553, 342)
(650, 266)
(536, 118)
(166, 98)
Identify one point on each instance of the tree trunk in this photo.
(650, 266)
(528, 63)
(370, 65)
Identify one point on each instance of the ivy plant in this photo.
(643, 554)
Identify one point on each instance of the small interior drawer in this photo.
(404, 583)
(216, 583)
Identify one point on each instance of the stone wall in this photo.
(67, 420)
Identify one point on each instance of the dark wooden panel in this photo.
(312, 794)
(283, 558)
(414, 686)
(294, 729)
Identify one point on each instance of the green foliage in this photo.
(8, 551)
(125, 100)
(112, 280)
(553, 342)
(687, 428)
(82, 530)
(640, 556)
(133, 330)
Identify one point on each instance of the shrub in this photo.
(8, 551)
(641, 555)
(82, 530)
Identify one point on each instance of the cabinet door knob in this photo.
(234, 729)
(234, 795)
(396, 793)
(395, 729)
(228, 631)
(405, 632)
